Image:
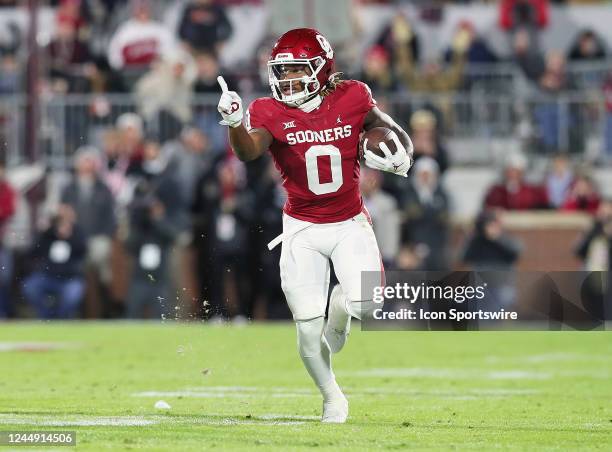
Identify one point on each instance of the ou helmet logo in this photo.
(326, 46)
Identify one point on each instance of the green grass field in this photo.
(245, 388)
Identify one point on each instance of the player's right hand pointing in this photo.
(230, 105)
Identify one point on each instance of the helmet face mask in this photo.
(300, 66)
(294, 81)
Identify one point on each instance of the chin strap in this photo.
(312, 104)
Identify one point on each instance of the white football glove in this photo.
(230, 105)
(398, 163)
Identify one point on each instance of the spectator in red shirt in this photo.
(69, 11)
(139, 41)
(7, 200)
(583, 196)
(513, 192)
(7, 209)
(516, 13)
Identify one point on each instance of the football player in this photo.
(311, 125)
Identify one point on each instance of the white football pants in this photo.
(304, 263)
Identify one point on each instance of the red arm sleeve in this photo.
(7, 202)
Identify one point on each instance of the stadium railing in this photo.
(508, 77)
(472, 123)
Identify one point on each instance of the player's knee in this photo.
(309, 336)
(302, 302)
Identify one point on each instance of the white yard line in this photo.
(220, 394)
(546, 358)
(76, 421)
(367, 391)
(409, 372)
(247, 389)
(473, 374)
(49, 420)
(517, 375)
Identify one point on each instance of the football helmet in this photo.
(301, 58)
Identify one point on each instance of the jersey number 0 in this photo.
(312, 168)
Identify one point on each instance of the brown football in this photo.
(376, 136)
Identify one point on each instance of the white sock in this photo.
(331, 391)
(316, 357)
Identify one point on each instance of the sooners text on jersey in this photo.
(317, 152)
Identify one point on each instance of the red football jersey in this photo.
(317, 152)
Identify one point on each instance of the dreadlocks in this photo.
(334, 80)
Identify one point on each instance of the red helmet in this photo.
(305, 50)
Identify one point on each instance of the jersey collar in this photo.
(312, 104)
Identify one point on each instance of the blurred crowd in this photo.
(185, 226)
(154, 217)
(126, 46)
